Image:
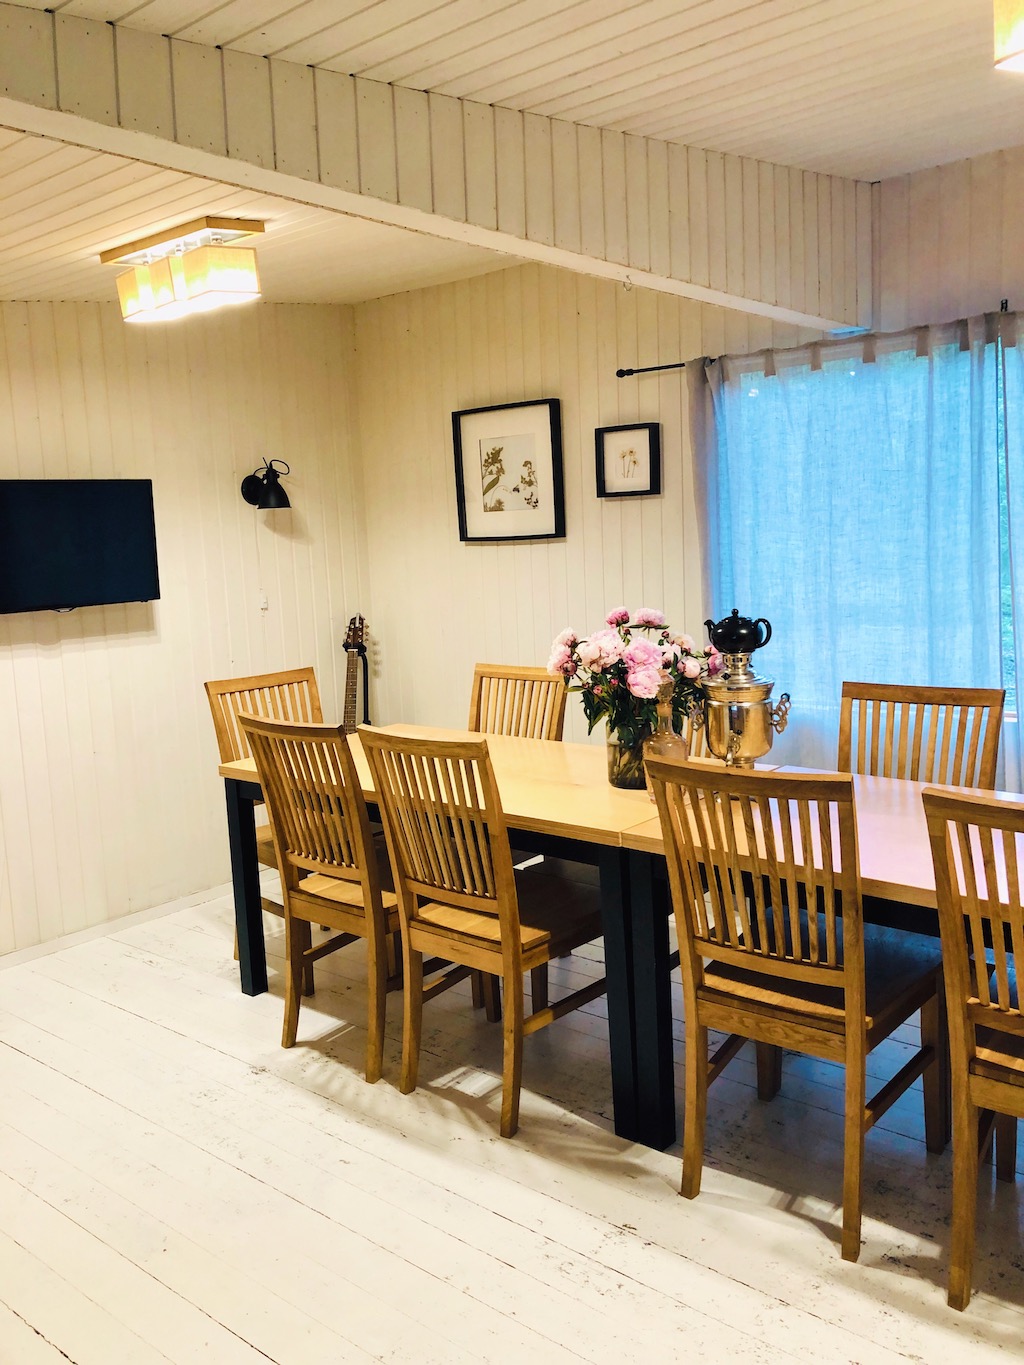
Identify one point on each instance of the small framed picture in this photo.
(508, 471)
(629, 460)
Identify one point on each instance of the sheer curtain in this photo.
(852, 495)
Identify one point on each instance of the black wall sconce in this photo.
(263, 487)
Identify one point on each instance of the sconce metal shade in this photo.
(263, 490)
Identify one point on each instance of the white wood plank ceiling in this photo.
(61, 205)
(862, 88)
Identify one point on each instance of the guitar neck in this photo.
(348, 720)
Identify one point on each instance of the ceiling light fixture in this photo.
(1009, 35)
(187, 269)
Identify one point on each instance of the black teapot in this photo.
(736, 634)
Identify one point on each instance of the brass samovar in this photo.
(737, 709)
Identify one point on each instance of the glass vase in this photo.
(666, 741)
(626, 762)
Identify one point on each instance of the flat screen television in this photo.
(76, 543)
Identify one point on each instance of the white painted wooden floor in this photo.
(176, 1187)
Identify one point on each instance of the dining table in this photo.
(557, 799)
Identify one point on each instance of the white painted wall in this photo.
(435, 605)
(109, 798)
(949, 241)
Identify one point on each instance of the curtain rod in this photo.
(647, 369)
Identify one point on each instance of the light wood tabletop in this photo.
(892, 836)
(546, 785)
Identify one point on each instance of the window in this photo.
(862, 498)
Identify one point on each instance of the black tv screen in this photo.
(76, 543)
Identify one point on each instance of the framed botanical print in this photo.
(508, 471)
(628, 460)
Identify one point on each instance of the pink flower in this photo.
(601, 650)
(685, 642)
(567, 637)
(691, 667)
(647, 616)
(714, 661)
(642, 654)
(617, 617)
(561, 658)
(644, 682)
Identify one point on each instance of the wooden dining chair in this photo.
(460, 899)
(766, 889)
(978, 852)
(527, 703)
(509, 699)
(289, 695)
(333, 874)
(928, 734)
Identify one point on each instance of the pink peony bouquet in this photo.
(619, 671)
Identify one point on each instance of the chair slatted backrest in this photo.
(314, 798)
(978, 851)
(291, 695)
(509, 699)
(746, 852)
(927, 734)
(444, 824)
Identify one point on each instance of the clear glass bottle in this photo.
(666, 741)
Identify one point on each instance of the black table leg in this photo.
(618, 949)
(245, 882)
(652, 1003)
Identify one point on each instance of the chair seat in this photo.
(320, 886)
(557, 908)
(897, 967)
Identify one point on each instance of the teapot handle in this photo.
(767, 631)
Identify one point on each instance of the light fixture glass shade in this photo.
(215, 275)
(135, 293)
(1009, 35)
(193, 282)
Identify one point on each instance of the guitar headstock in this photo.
(354, 634)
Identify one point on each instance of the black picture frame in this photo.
(640, 441)
(508, 471)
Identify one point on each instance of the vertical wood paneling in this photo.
(144, 83)
(679, 211)
(336, 129)
(658, 211)
(109, 799)
(591, 183)
(540, 200)
(637, 203)
(85, 60)
(510, 171)
(447, 157)
(613, 174)
(29, 65)
(715, 212)
(948, 241)
(375, 121)
(412, 147)
(481, 185)
(199, 118)
(294, 101)
(565, 174)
